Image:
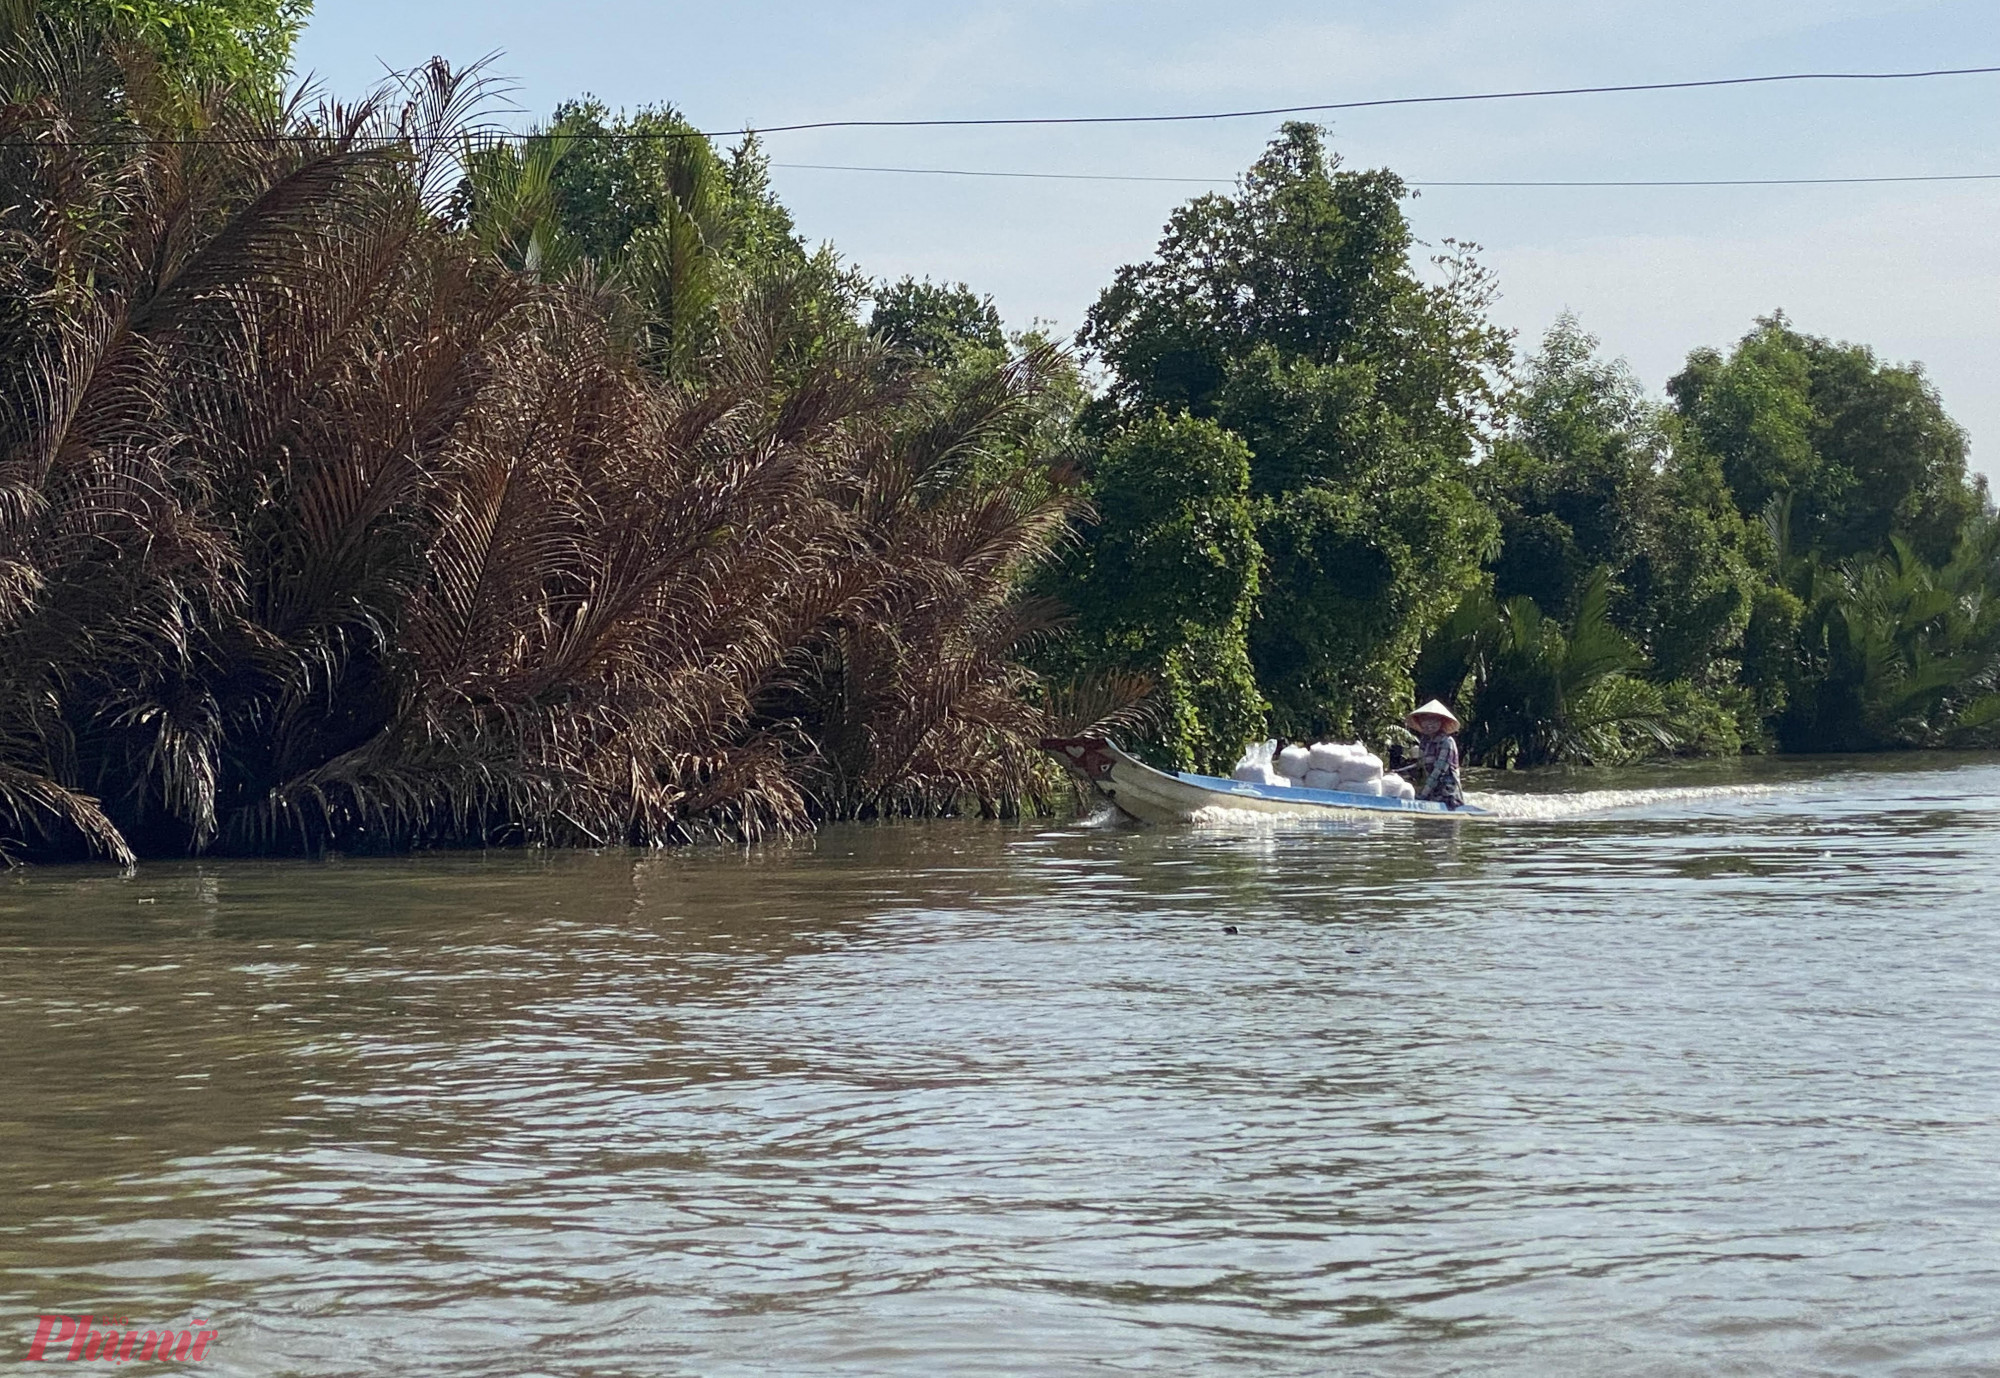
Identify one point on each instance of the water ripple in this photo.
(1690, 1075)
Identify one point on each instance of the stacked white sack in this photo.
(1321, 779)
(1395, 786)
(1324, 756)
(1361, 767)
(1293, 762)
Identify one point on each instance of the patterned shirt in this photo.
(1440, 771)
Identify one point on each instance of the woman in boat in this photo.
(1437, 767)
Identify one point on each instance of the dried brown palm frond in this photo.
(321, 526)
(31, 803)
(913, 695)
(170, 370)
(1105, 702)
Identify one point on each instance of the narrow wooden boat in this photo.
(1154, 796)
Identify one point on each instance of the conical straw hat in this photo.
(1433, 709)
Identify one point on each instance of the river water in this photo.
(1698, 1078)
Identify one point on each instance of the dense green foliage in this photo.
(1793, 548)
(1168, 581)
(1862, 451)
(645, 207)
(934, 324)
(1543, 693)
(1586, 479)
(1890, 650)
(243, 43)
(1788, 552)
(1290, 315)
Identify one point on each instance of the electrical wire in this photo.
(620, 136)
(1413, 182)
(1369, 104)
(984, 172)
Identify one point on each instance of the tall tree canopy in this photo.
(1167, 579)
(1585, 476)
(935, 323)
(675, 228)
(1793, 547)
(1573, 478)
(1858, 449)
(1290, 314)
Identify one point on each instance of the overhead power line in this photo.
(1364, 104)
(1413, 182)
(986, 172)
(607, 135)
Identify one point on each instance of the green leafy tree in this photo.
(1862, 449)
(1850, 484)
(1894, 651)
(935, 323)
(1588, 476)
(1290, 314)
(681, 233)
(1357, 580)
(1574, 479)
(626, 174)
(243, 43)
(1167, 582)
(1689, 587)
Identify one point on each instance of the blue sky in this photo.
(1913, 270)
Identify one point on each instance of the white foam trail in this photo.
(1512, 806)
(1544, 806)
(1217, 816)
(1531, 807)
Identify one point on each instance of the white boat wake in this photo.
(1528, 807)
(1216, 816)
(1550, 806)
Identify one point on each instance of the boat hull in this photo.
(1155, 796)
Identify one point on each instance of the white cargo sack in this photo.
(1361, 766)
(1398, 787)
(1325, 756)
(1321, 779)
(1293, 762)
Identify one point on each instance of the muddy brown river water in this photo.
(1698, 1076)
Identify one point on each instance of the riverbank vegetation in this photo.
(366, 481)
(338, 510)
